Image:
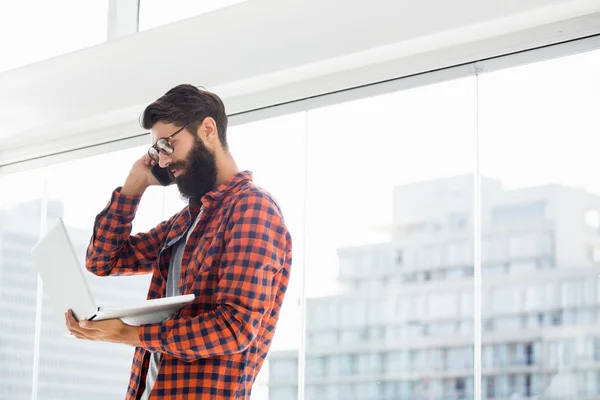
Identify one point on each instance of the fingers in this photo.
(149, 161)
(74, 328)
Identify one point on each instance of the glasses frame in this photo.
(167, 141)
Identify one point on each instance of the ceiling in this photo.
(253, 54)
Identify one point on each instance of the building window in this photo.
(322, 339)
(519, 212)
(427, 257)
(348, 336)
(540, 297)
(522, 267)
(458, 222)
(353, 313)
(399, 259)
(396, 361)
(322, 314)
(442, 305)
(411, 308)
(369, 363)
(458, 253)
(315, 367)
(522, 245)
(505, 300)
(573, 293)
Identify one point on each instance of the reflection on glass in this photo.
(541, 198)
(389, 234)
(77, 193)
(20, 219)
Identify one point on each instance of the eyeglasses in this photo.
(164, 145)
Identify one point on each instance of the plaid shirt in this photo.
(237, 262)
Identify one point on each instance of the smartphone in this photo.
(162, 175)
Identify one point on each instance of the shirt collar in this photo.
(215, 196)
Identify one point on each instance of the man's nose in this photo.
(163, 160)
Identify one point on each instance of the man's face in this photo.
(192, 164)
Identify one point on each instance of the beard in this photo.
(199, 173)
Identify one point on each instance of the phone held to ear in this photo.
(162, 175)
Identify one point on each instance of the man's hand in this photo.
(140, 177)
(113, 330)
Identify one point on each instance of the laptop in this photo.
(64, 281)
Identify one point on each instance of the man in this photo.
(229, 247)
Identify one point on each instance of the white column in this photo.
(122, 18)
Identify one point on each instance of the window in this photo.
(573, 293)
(369, 363)
(458, 253)
(505, 300)
(20, 219)
(283, 370)
(322, 314)
(411, 308)
(323, 339)
(518, 213)
(61, 26)
(396, 362)
(284, 393)
(399, 260)
(523, 245)
(540, 297)
(442, 305)
(428, 257)
(493, 249)
(538, 203)
(560, 353)
(353, 313)
(78, 206)
(418, 173)
(315, 367)
(458, 222)
(522, 267)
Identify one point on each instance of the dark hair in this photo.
(186, 104)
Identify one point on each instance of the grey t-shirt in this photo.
(172, 290)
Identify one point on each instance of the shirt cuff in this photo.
(151, 335)
(121, 204)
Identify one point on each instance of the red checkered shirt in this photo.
(237, 262)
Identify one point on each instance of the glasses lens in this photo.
(164, 146)
(153, 153)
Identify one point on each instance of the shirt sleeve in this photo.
(255, 252)
(112, 249)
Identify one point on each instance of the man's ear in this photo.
(208, 130)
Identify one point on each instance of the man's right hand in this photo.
(140, 177)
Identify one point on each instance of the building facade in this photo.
(402, 324)
(61, 358)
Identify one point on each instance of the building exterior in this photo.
(66, 365)
(402, 325)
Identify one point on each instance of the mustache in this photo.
(178, 165)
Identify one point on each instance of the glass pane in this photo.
(539, 154)
(273, 150)
(389, 243)
(77, 192)
(47, 29)
(154, 13)
(20, 218)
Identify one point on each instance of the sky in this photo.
(333, 169)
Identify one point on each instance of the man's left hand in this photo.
(112, 330)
